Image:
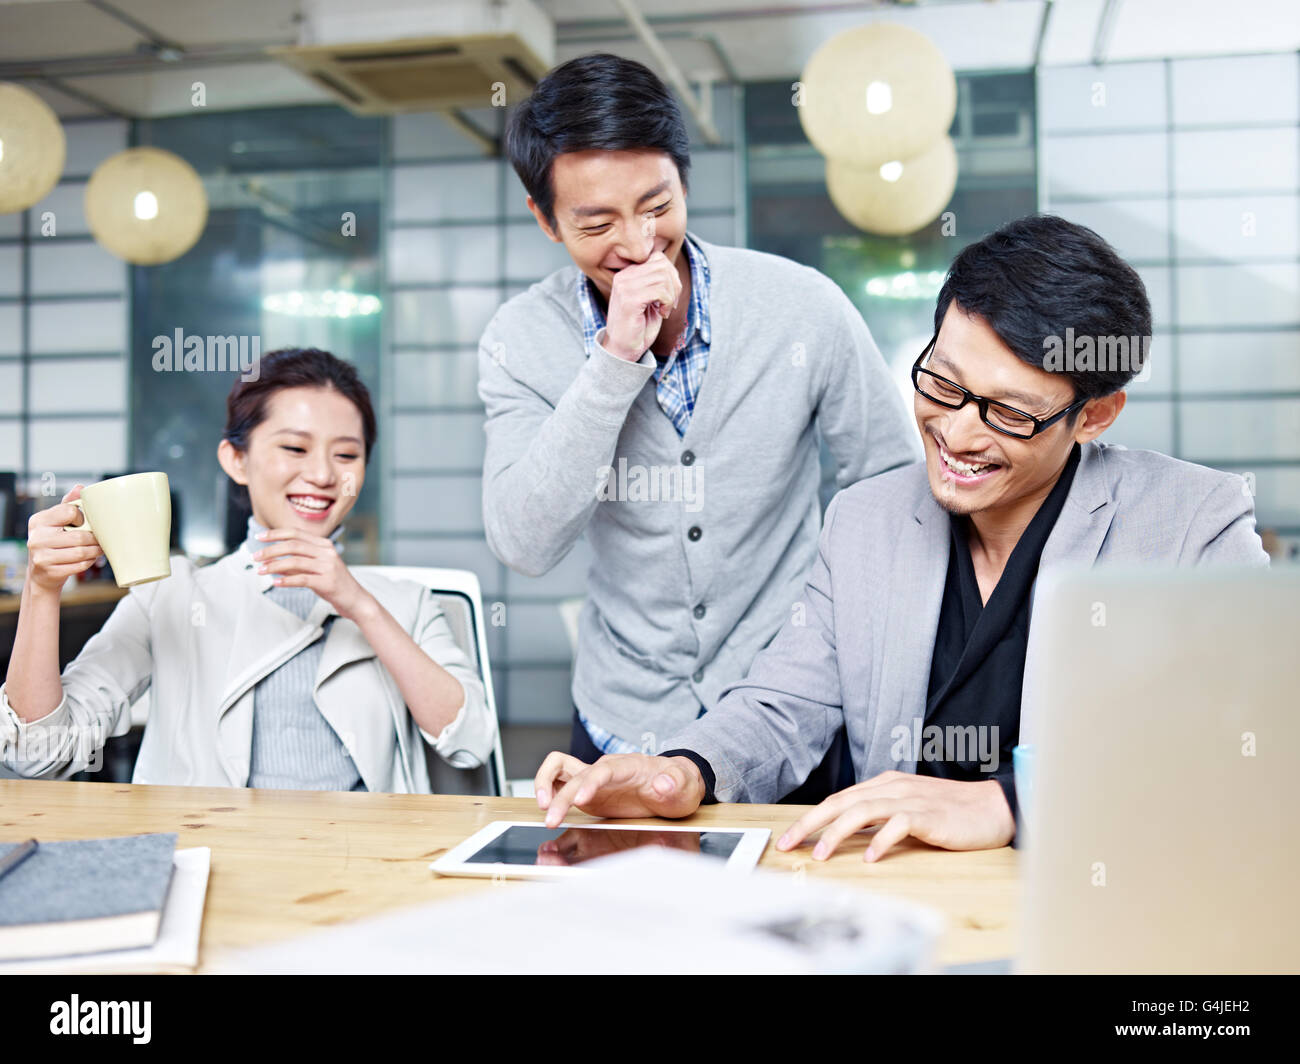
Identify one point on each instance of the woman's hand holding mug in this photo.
(56, 551)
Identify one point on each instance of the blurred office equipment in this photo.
(8, 505)
(1162, 830)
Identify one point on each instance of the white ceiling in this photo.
(66, 44)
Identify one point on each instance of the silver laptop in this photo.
(1163, 831)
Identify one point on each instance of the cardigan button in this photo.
(688, 458)
(694, 533)
(699, 676)
(700, 611)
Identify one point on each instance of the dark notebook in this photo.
(85, 897)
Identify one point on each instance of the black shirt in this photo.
(978, 666)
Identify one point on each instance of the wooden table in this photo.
(94, 593)
(285, 862)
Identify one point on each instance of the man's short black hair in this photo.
(1036, 278)
(597, 101)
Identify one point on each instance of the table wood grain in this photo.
(287, 862)
(95, 593)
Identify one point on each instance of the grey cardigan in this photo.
(861, 657)
(685, 590)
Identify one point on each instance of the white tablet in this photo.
(528, 850)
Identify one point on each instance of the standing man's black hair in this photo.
(600, 102)
(1038, 276)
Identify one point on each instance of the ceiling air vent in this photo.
(398, 55)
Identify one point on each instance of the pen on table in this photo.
(17, 856)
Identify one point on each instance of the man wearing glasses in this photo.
(915, 621)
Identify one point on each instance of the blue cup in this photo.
(1022, 762)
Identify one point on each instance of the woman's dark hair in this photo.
(294, 367)
(597, 101)
(1036, 278)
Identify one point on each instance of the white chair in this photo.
(457, 591)
(570, 611)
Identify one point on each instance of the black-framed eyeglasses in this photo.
(998, 416)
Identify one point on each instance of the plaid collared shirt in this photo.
(678, 377)
(609, 743)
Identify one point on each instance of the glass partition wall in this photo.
(290, 257)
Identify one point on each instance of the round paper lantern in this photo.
(875, 93)
(146, 205)
(896, 197)
(32, 148)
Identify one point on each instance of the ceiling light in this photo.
(880, 97)
(32, 148)
(146, 205)
(913, 199)
(330, 303)
(877, 92)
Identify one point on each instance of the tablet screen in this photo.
(539, 845)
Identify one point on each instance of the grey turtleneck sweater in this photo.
(294, 747)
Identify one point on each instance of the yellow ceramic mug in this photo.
(131, 518)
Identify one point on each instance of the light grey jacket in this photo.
(857, 649)
(687, 585)
(200, 641)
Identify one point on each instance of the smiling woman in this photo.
(276, 666)
(298, 438)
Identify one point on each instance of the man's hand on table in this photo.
(618, 785)
(953, 814)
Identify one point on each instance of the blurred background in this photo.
(357, 200)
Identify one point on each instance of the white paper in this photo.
(177, 945)
(647, 911)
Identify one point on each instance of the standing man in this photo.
(664, 395)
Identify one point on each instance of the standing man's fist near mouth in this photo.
(641, 298)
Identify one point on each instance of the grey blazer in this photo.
(856, 649)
